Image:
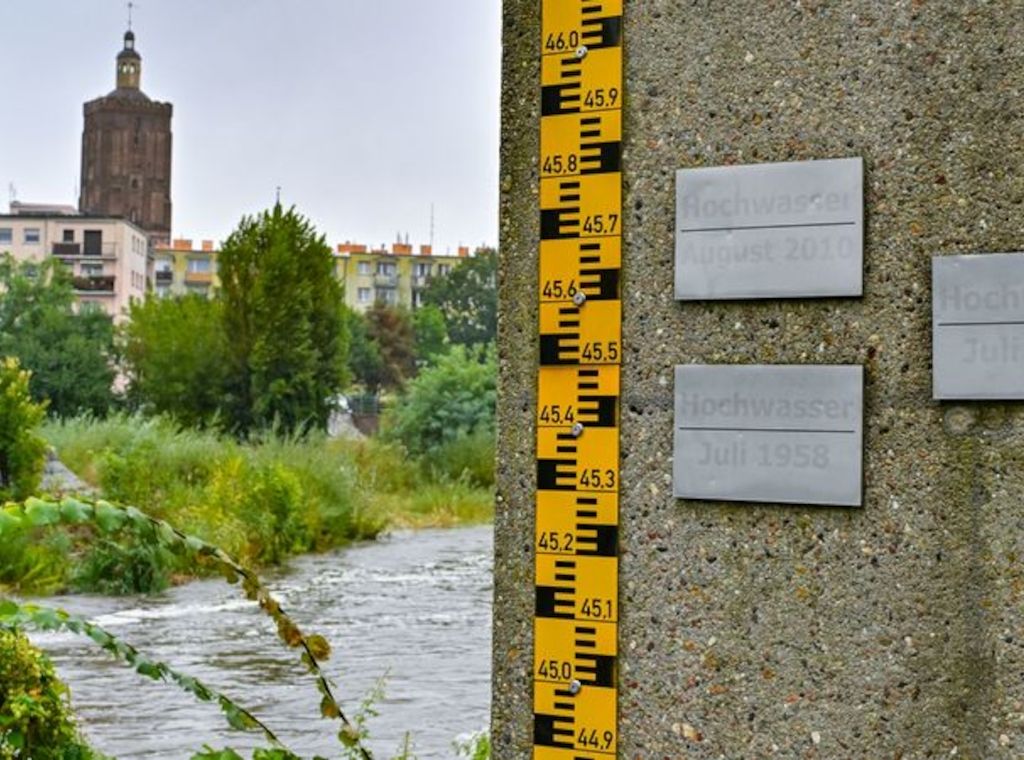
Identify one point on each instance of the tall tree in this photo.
(468, 298)
(173, 351)
(431, 334)
(69, 355)
(286, 336)
(384, 348)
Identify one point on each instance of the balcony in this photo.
(67, 249)
(164, 277)
(385, 280)
(95, 283)
(198, 278)
(103, 252)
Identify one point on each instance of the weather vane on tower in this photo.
(131, 5)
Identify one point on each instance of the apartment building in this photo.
(396, 276)
(108, 258)
(182, 268)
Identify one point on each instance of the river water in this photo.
(415, 606)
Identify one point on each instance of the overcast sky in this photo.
(363, 111)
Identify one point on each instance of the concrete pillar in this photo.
(760, 631)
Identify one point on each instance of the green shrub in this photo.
(129, 567)
(33, 564)
(35, 718)
(22, 450)
(261, 501)
(470, 456)
(453, 399)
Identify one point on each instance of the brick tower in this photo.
(126, 152)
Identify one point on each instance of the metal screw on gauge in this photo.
(581, 51)
(579, 298)
(574, 687)
(577, 430)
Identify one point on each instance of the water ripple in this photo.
(416, 606)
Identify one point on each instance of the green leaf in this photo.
(319, 647)
(229, 574)
(10, 521)
(100, 636)
(329, 708)
(237, 719)
(75, 512)
(40, 513)
(136, 516)
(109, 517)
(167, 535)
(151, 670)
(349, 736)
(45, 618)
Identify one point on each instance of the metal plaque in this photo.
(978, 326)
(784, 230)
(769, 433)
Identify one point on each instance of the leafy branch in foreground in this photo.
(14, 615)
(109, 518)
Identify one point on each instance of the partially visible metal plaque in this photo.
(769, 433)
(978, 326)
(785, 230)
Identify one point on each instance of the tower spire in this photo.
(129, 62)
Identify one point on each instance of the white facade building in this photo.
(108, 258)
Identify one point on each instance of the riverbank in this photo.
(262, 502)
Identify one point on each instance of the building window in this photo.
(422, 269)
(162, 291)
(443, 269)
(92, 242)
(199, 266)
(364, 295)
(387, 295)
(90, 307)
(69, 236)
(364, 267)
(92, 270)
(387, 269)
(32, 235)
(6, 235)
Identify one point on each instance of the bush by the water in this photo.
(35, 717)
(261, 501)
(445, 418)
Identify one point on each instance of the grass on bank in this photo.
(261, 502)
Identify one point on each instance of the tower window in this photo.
(32, 235)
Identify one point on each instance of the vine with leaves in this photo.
(109, 518)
